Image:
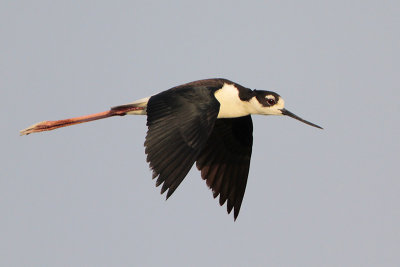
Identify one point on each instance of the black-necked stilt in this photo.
(207, 122)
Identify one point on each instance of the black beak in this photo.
(290, 114)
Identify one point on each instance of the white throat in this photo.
(230, 104)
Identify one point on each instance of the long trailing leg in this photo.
(115, 111)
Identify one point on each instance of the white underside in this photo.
(139, 103)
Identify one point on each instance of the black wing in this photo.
(225, 160)
(179, 121)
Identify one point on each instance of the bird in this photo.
(205, 122)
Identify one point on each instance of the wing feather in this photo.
(225, 160)
(179, 122)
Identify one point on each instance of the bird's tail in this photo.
(137, 108)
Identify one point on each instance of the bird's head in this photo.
(270, 103)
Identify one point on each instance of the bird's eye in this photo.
(271, 101)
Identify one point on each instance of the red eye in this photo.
(271, 101)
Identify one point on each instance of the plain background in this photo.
(83, 196)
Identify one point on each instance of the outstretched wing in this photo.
(225, 160)
(179, 120)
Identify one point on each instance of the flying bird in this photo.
(207, 122)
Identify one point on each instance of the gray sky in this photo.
(83, 196)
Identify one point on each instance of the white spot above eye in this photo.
(274, 109)
(231, 106)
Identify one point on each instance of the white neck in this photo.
(231, 105)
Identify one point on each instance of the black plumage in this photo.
(225, 160)
(183, 128)
(178, 128)
(205, 121)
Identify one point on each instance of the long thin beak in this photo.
(290, 114)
